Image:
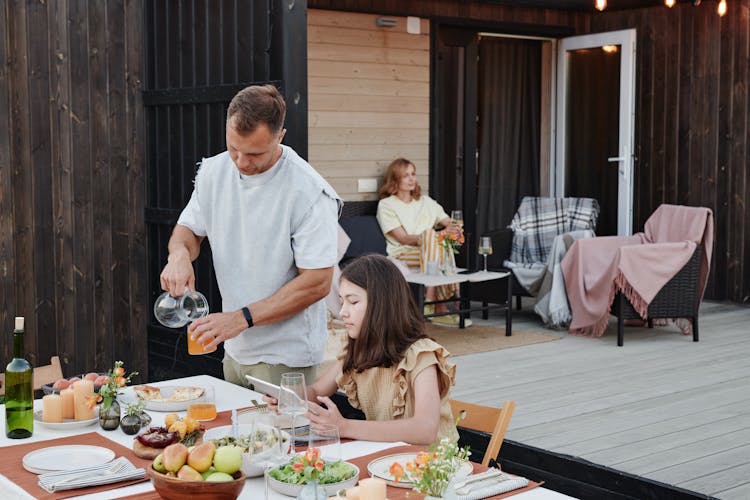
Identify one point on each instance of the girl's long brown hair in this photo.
(392, 321)
(393, 176)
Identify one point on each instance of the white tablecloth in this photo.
(228, 396)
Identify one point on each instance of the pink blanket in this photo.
(595, 269)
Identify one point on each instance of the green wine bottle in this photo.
(19, 393)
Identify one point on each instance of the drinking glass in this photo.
(293, 398)
(268, 456)
(205, 409)
(457, 217)
(485, 249)
(325, 437)
(176, 312)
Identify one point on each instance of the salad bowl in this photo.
(336, 475)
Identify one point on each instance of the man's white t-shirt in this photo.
(262, 228)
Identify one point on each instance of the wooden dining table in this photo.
(228, 396)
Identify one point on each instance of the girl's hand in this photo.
(273, 403)
(322, 415)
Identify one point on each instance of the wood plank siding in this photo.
(72, 242)
(369, 98)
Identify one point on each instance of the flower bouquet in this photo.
(451, 239)
(116, 380)
(432, 471)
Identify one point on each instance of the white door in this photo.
(595, 117)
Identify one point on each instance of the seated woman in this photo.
(408, 219)
(389, 368)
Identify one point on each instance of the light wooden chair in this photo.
(46, 374)
(493, 421)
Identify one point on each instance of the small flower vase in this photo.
(109, 417)
(448, 264)
(312, 491)
(449, 494)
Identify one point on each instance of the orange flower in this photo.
(422, 458)
(397, 471)
(312, 455)
(298, 467)
(119, 371)
(319, 464)
(92, 399)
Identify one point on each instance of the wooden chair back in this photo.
(493, 421)
(46, 374)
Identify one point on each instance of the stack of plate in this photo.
(66, 458)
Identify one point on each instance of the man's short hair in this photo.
(255, 105)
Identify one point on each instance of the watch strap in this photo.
(248, 316)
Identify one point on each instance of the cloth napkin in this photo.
(494, 488)
(94, 476)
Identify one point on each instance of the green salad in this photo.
(310, 467)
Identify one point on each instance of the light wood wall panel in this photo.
(368, 94)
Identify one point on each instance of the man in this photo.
(271, 220)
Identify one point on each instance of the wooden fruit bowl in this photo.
(172, 488)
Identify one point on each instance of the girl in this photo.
(389, 368)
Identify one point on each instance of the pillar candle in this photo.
(81, 390)
(371, 489)
(52, 410)
(67, 403)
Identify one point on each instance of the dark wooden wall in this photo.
(692, 138)
(72, 237)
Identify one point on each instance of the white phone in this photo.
(264, 387)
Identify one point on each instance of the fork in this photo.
(114, 468)
(256, 408)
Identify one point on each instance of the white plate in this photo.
(293, 490)
(64, 458)
(66, 424)
(379, 468)
(166, 392)
(283, 421)
(249, 468)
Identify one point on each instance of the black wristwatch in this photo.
(248, 316)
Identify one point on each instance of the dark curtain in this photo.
(509, 128)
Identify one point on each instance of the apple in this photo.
(228, 459)
(219, 477)
(158, 464)
(91, 376)
(101, 380)
(73, 380)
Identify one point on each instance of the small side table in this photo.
(419, 280)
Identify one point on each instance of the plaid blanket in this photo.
(539, 220)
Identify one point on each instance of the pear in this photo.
(201, 456)
(228, 459)
(158, 464)
(189, 474)
(174, 456)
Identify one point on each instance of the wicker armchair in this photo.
(679, 298)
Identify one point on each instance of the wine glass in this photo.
(457, 217)
(325, 437)
(485, 249)
(273, 451)
(293, 398)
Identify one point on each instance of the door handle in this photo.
(616, 158)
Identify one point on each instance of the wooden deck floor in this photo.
(661, 406)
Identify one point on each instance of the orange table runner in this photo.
(11, 460)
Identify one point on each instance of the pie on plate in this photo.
(168, 398)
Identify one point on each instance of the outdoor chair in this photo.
(532, 246)
(679, 298)
(660, 273)
(45, 374)
(488, 421)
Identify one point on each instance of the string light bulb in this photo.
(722, 8)
(600, 5)
(670, 3)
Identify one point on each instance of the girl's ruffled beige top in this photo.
(387, 393)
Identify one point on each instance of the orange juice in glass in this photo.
(205, 409)
(194, 347)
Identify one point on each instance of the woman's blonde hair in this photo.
(393, 176)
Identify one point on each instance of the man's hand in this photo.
(216, 328)
(178, 274)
